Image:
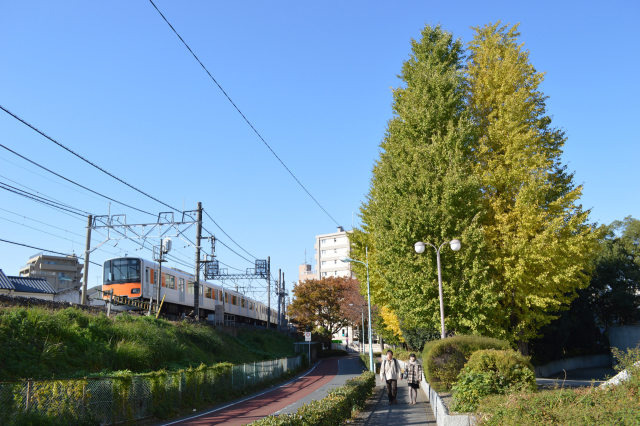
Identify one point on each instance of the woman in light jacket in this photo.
(414, 377)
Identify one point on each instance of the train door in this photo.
(181, 290)
(145, 284)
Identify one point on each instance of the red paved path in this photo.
(268, 403)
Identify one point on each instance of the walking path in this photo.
(378, 412)
(268, 402)
(348, 368)
(313, 385)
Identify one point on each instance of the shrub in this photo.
(443, 359)
(491, 371)
(332, 410)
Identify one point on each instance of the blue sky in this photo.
(110, 80)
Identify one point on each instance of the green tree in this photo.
(423, 189)
(539, 244)
(614, 292)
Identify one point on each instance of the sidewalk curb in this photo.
(441, 412)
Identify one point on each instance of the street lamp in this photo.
(362, 334)
(366, 264)
(455, 246)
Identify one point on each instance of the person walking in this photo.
(413, 371)
(390, 373)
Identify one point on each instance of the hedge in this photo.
(443, 359)
(491, 371)
(332, 410)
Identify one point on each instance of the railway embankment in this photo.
(42, 343)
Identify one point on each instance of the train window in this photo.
(207, 293)
(171, 281)
(146, 275)
(234, 300)
(226, 298)
(190, 287)
(120, 271)
(181, 285)
(242, 303)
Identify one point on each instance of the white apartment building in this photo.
(330, 250)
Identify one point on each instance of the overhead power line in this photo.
(42, 249)
(43, 200)
(32, 127)
(304, 188)
(74, 182)
(107, 173)
(224, 232)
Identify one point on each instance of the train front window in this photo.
(118, 271)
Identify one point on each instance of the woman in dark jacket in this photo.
(414, 377)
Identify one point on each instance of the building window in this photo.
(335, 240)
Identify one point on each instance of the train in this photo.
(137, 279)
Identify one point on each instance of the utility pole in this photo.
(279, 295)
(196, 283)
(87, 252)
(159, 283)
(268, 290)
(283, 292)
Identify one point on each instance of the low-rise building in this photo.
(62, 272)
(38, 288)
(306, 273)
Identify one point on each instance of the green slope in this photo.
(40, 343)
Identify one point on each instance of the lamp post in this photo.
(366, 264)
(455, 246)
(361, 334)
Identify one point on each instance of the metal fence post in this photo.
(28, 402)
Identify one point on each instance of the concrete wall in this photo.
(588, 361)
(441, 412)
(624, 337)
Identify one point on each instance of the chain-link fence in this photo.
(128, 397)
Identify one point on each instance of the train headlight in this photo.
(135, 291)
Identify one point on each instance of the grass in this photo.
(38, 343)
(619, 404)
